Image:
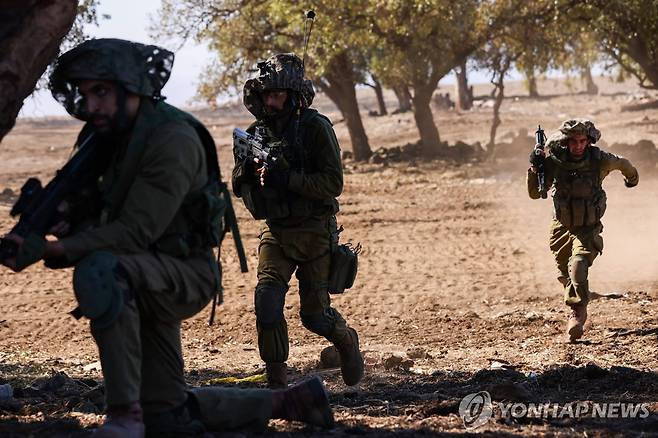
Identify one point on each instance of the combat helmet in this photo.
(283, 71)
(568, 129)
(141, 69)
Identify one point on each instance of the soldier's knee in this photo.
(269, 301)
(100, 287)
(578, 267)
(321, 323)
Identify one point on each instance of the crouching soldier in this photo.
(142, 247)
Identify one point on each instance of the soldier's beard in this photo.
(116, 125)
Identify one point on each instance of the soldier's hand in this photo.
(60, 229)
(260, 171)
(18, 240)
(536, 158)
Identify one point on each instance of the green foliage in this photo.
(418, 42)
(627, 31)
(87, 15)
(242, 32)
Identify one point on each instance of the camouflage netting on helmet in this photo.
(284, 71)
(569, 128)
(140, 69)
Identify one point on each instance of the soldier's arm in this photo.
(172, 162)
(610, 162)
(533, 182)
(328, 181)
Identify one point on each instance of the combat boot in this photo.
(277, 375)
(122, 422)
(306, 401)
(351, 360)
(576, 323)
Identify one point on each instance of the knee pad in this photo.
(269, 301)
(99, 291)
(320, 323)
(578, 267)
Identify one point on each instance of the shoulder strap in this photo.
(212, 162)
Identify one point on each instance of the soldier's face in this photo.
(577, 145)
(102, 105)
(274, 100)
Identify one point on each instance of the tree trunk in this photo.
(531, 82)
(592, 88)
(464, 94)
(499, 84)
(380, 96)
(429, 134)
(404, 98)
(30, 34)
(340, 87)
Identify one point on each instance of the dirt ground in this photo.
(456, 291)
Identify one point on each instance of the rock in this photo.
(418, 353)
(395, 361)
(532, 316)
(443, 408)
(55, 382)
(96, 366)
(510, 391)
(593, 371)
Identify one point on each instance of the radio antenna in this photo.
(308, 28)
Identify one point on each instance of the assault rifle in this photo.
(38, 206)
(538, 151)
(254, 146)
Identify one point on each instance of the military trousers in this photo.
(574, 252)
(140, 352)
(305, 251)
(223, 409)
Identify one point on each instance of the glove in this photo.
(536, 157)
(277, 178)
(30, 252)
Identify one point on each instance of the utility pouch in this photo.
(264, 203)
(577, 212)
(344, 265)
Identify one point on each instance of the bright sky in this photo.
(130, 20)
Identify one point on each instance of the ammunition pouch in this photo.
(344, 265)
(199, 225)
(580, 212)
(272, 204)
(579, 199)
(264, 202)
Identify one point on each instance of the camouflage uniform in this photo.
(579, 202)
(144, 262)
(300, 225)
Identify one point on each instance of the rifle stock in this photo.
(231, 224)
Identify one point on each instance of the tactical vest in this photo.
(198, 224)
(578, 197)
(283, 207)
